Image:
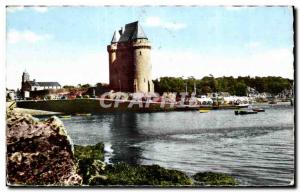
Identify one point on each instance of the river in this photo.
(257, 149)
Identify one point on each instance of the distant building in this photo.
(28, 85)
(286, 93)
(252, 92)
(224, 94)
(129, 60)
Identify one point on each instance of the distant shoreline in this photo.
(59, 107)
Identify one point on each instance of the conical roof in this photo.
(139, 33)
(132, 31)
(116, 37)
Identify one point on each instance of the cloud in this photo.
(40, 9)
(157, 22)
(14, 36)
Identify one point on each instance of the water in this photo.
(257, 149)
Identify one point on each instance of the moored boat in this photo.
(243, 105)
(258, 109)
(186, 107)
(65, 116)
(83, 114)
(203, 111)
(244, 112)
(273, 102)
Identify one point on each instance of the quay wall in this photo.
(89, 106)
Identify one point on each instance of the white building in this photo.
(28, 85)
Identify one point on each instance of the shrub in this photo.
(210, 178)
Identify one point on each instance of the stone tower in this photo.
(25, 77)
(129, 60)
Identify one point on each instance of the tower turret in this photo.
(25, 80)
(112, 48)
(142, 65)
(129, 60)
(25, 77)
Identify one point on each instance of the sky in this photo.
(69, 44)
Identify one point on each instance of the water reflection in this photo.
(124, 132)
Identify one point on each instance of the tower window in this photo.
(140, 53)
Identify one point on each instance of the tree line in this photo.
(235, 86)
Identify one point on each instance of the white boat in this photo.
(242, 105)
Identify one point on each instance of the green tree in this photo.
(85, 86)
(68, 87)
(235, 86)
(241, 89)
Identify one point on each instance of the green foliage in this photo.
(89, 160)
(68, 87)
(124, 174)
(89, 169)
(235, 86)
(48, 97)
(99, 85)
(241, 89)
(85, 86)
(210, 178)
(89, 151)
(8, 98)
(170, 84)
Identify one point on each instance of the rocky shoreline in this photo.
(40, 153)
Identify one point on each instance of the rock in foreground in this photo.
(38, 152)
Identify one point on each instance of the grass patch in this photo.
(210, 178)
(152, 175)
(89, 151)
